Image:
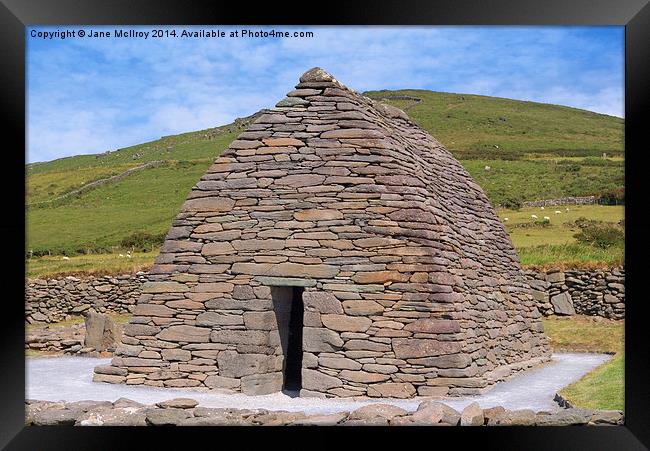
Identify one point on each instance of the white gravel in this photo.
(70, 379)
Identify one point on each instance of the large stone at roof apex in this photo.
(316, 74)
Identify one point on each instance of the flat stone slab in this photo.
(70, 379)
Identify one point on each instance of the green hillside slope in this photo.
(533, 151)
(474, 126)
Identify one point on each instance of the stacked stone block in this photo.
(594, 292)
(411, 284)
(54, 299)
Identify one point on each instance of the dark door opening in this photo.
(289, 311)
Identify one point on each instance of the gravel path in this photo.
(70, 379)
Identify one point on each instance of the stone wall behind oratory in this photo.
(596, 292)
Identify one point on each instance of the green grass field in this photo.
(520, 180)
(535, 151)
(96, 264)
(100, 219)
(561, 228)
(604, 387)
(49, 185)
(568, 256)
(554, 244)
(196, 145)
(579, 333)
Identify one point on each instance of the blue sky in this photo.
(88, 95)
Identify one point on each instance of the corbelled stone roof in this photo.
(411, 283)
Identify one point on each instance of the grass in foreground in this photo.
(602, 388)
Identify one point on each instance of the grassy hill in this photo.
(534, 151)
(480, 127)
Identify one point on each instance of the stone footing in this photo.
(186, 412)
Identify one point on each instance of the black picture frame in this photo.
(16, 15)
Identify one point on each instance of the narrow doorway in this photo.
(289, 311)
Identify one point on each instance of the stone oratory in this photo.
(335, 249)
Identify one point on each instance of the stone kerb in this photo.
(187, 412)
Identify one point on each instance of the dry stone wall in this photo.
(55, 299)
(411, 284)
(586, 200)
(597, 292)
